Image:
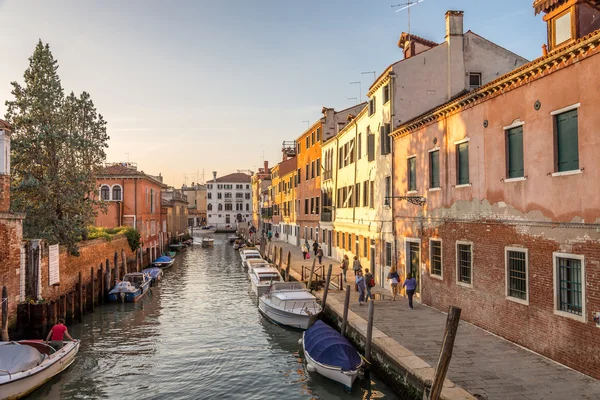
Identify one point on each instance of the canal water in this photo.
(198, 335)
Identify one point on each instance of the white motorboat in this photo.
(28, 364)
(330, 354)
(255, 262)
(290, 304)
(232, 238)
(208, 242)
(249, 253)
(262, 278)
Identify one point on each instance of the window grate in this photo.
(569, 284)
(464, 263)
(436, 257)
(517, 274)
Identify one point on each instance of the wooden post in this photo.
(4, 314)
(327, 281)
(288, 266)
(369, 330)
(101, 284)
(446, 352)
(70, 307)
(312, 271)
(92, 289)
(80, 296)
(346, 305)
(62, 307)
(280, 257)
(116, 262)
(123, 261)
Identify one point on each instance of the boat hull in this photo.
(24, 383)
(207, 243)
(164, 265)
(344, 378)
(281, 317)
(131, 297)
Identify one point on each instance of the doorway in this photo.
(328, 243)
(227, 219)
(413, 261)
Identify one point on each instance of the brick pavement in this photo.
(485, 365)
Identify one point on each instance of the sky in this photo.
(193, 86)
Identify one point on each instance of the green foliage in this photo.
(133, 238)
(58, 145)
(96, 232)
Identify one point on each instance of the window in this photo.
(386, 140)
(307, 142)
(209, 207)
(317, 199)
(105, 192)
(343, 241)
(372, 106)
(298, 148)
(434, 169)
(318, 167)
(365, 202)
(516, 274)
(561, 28)
(307, 172)
(337, 239)
(435, 257)
(247, 187)
(306, 206)
(386, 93)
(247, 196)
(462, 161)
(116, 193)
(312, 136)
(567, 150)
(474, 80)
(569, 292)
(514, 152)
(228, 195)
(357, 195)
(349, 242)
(312, 170)
(318, 134)
(229, 207)
(359, 148)
(372, 194)
(371, 147)
(464, 263)
(341, 157)
(220, 207)
(365, 247)
(239, 195)
(388, 254)
(209, 195)
(388, 190)
(346, 154)
(151, 200)
(312, 205)
(412, 174)
(351, 150)
(219, 196)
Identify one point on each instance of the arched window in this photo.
(117, 193)
(209, 207)
(220, 207)
(247, 207)
(105, 193)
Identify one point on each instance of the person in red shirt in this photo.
(57, 333)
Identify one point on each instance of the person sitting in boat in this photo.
(58, 332)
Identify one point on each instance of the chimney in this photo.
(4, 167)
(454, 23)
(215, 176)
(457, 79)
(266, 167)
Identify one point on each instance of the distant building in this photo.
(196, 196)
(261, 180)
(229, 200)
(175, 203)
(132, 198)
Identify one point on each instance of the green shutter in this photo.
(435, 169)
(371, 147)
(567, 141)
(515, 153)
(412, 173)
(463, 163)
(382, 139)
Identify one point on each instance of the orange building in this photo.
(133, 198)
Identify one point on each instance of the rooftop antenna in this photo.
(405, 6)
(369, 72)
(307, 124)
(353, 98)
(359, 88)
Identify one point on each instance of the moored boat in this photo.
(28, 364)
(155, 273)
(208, 242)
(249, 253)
(256, 262)
(290, 304)
(232, 238)
(163, 262)
(177, 246)
(132, 288)
(331, 354)
(262, 277)
(171, 254)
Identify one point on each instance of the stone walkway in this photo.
(485, 365)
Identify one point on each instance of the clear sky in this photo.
(188, 85)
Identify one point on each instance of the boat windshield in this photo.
(266, 278)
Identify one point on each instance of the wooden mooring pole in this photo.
(101, 284)
(369, 330)
(288, 266)
(312, 271)
(346, 305)
(446, 352)
(80, 297)
(326, 290)
(92, 288)
(4, 314)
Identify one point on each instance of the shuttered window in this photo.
(567, 141)
(371, 147)
(357, 195)
(372, 194)
(434, 169)
(514, 146)
(386, 140)
(462, 168)
(412, 173)
(359, 148)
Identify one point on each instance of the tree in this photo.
(58, 146)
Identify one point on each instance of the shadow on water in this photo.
(198, 335)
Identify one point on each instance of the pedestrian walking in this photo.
(344, 266)
(356, 265)
(320, 255)
(315, 246)
(370, 282)
(270, 235)
(58, 332)
(411, 286)
(360, 284)
(394, 279)
(304, 251)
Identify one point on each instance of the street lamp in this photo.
(416, 200)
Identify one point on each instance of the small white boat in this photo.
(255, 262)
(208, 242)
(249, 253)
(331, 354)
(290, 304)
(262, 278)
(163, 262)
(132, 288)
(28, 364)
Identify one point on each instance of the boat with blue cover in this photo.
(155, 273)
(132, 288)
(163, 262)
(331, 354)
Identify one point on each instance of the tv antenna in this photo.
(406, 6)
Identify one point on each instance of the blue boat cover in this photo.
(163, 259)
(327, 346)
(154, 272)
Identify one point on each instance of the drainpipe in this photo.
(135, 203)
(392, 201)
(355, 169)
(335, 186)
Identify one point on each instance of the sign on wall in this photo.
(53, 270)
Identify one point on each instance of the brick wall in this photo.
(534, 326)
(4, 193)
(11, 233)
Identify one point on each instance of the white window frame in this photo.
(458, 282)
(111, 192)
(581, 258)
(431, 274)
(506, 275)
